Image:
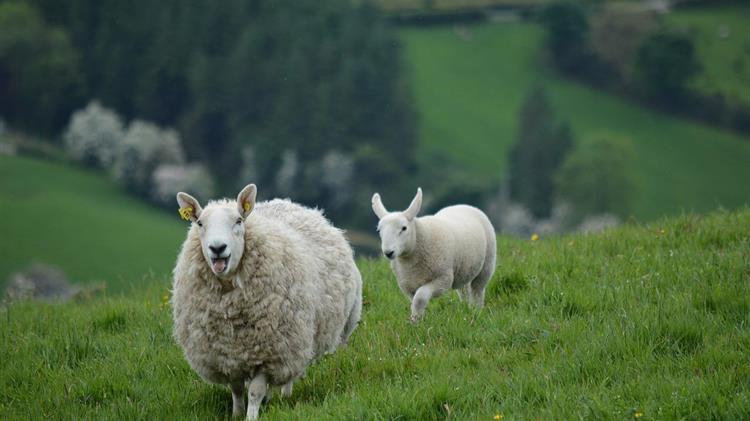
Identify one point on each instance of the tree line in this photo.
(254, 87)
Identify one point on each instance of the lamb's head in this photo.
(221, 226)
(398, 234)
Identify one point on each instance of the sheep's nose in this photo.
(388, 254)
(218, 249)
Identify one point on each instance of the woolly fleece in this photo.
(296, 295)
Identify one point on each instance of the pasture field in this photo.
(641, 322)
(78, 220)
(722, 39)
(470, 82)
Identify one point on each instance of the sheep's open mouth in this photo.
(219, 264)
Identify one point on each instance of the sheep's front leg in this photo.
(256, 391)
(286, 390)
(238, 399)
(423, 296)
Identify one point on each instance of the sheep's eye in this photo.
(239, 221)
(403, 228)
(200, 224)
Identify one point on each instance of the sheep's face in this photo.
(398, 234)
(222, 234)
(221, 226)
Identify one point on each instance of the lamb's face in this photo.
(397, 235)
(221, 227)
(222, 234)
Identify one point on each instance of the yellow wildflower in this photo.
(186, 213)
(638, 414)
(498, 417)
(534, 237)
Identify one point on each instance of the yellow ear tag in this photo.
(186, 213)
(247, 206)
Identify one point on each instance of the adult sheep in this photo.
(260, 292)
(455, 248)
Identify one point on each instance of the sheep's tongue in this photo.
(219, 265)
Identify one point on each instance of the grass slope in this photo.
(640, 320)
(469, 92)
(725, 60)
(78, 220)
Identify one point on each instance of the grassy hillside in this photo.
(80, 221)
(722, 38)
(640, 323)
(469, 91)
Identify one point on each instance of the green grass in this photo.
(653, 319)
(58, 214)
(469, 93)
(725, 61)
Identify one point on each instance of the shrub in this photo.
(144, 148)
(596, 177)
(93, 134)
(168, 179)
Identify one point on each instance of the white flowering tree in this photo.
(93, 135)
(144, 148)
(168, 179)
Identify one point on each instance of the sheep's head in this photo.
(222, 228)
(398, 235)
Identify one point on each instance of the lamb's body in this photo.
(296, 296)
(456, 247)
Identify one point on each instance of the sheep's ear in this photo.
(190, 209)
(415, 206)
(377, 206)
(246, 200)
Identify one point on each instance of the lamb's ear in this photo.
(190, 209)
(415, 205)
(377, 206)
(246, 200)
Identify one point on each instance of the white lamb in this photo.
(260, 292)
(455, 248)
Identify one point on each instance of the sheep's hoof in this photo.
(415, 319)
(286, 390)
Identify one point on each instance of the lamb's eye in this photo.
(239, 221)
(403, 228)
(200, 224)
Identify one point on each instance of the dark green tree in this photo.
(567, 34)
(664, 65)
(536, 156)
(39, 72)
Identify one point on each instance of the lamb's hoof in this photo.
(415, 319)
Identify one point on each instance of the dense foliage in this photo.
(301, 78)
(539, 152)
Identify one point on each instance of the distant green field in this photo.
(639, 323)
(722, 36)
(469, 89)
(80, 221)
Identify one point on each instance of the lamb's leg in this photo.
(256, 391)
(238, 399)
(479, 284)
(424, 294)
(286, 390)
